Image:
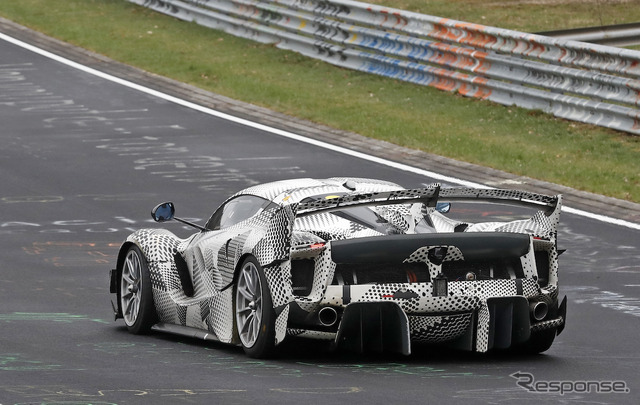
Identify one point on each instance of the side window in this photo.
(237, 210)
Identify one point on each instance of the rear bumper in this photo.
(476, 325)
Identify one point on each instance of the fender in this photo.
(158, 246)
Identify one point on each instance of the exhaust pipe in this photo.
(327, 316)
(539, 310)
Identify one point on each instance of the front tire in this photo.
(136, 296)
(254, 313)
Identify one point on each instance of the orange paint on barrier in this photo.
(471, 26)
(400, 21)
(462, 58)
(445, 58)
(482, 66)
(445, 84)
(465, 62)
(483, 91)
(475, 34)
(442, 34)
(563, 54)
(533, 46)
(481, 40)
(465, 89)
(483, 94)
(385, 13)
(446, 32)
(474, 91)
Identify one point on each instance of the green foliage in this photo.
(519, 141)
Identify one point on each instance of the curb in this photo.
(586, 201)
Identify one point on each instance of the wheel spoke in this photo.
(135, 306)
(246, 294)
(130, 304)
(131, 287)
(249, 281)
(126, 276)
(249, 304)
(244, 312)
(129, 262)
(132, 265)
(246, 326)
(252, 330)
(257, 319)
(135, 266)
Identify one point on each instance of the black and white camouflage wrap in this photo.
(291, 227)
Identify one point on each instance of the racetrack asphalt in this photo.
(83, 160)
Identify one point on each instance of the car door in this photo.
(212, 255)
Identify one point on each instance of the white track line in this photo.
(290, 135)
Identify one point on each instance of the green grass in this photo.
(527, 15)
(512, 139)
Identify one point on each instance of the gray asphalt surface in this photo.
(83, 160)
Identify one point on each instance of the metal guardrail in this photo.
(583, 82)
(613, 35)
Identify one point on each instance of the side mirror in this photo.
(163, 212)
(443, 208)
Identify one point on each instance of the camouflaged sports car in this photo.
(362, 263)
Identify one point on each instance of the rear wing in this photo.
(426, 196)
(430, 196)
(543, 202)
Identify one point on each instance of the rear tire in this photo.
(254, 313)
(136, 296)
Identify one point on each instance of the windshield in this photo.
(236, 210)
